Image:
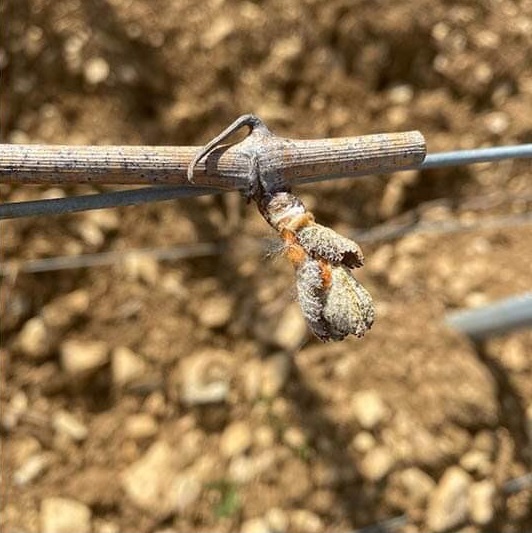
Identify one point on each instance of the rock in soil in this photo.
(255, 525)
(216, 312)
(275, 373)
(64, 310)
(277, 519)
(236, 439)
(244, 469)
(141, 426)
(304, 521)
(61, 515)
(205, 377)
(416, 484)
(368, 409)
(35, 339)
(126, 366)
(156, 484)
(476, 462)
(31, 469)
(448, 503)
(65, 423)
(377, 463)
(482, 502)
(363, 442)
(291, 329)
(81, 358)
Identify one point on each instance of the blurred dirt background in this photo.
(187, 395)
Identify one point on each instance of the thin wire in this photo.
(381, 233)
(495, 319)
(387, 232)
(477, 155)
(66, 262)
(162, 193)
(74, 204)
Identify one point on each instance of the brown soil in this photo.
(179, 72)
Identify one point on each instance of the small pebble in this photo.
(155, 404)
(255, 525)
(244, 469)
(184, 491)
(105, 219)
(90, 233)
(294, 437)
(377, 463)
(251, 377)
(65, 423)
(305, 521)
(141, 267)
(497, 122)
(482, 502)
(31, 469)
(368, 409)
(34, 339)
(291, 329)
(79, 358)
(476, 462)
(379, 261)
(236, 439)
(15, 409)
(417, 485)
(141, 426)
(96, 70)
(515, 355)
(25, 447)
(401, 94)
(62, 515)
(103, 526)
(126, 366)
(363, 442)
(218, 31)
(64, 310)
(275, 373)
(264, 437)
(156, 484)
(206, 377)
(216, 311)
(196, 394)
(277, 520)
(448, 503)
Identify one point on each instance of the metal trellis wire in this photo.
(380, 233)
(163, 193)
(495, 319)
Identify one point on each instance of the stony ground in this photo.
(187, 395)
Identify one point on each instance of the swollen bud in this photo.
(333, 302)
(321, 241)
(348, 306)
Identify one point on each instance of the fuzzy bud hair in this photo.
(321, 241)
(348, 307)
